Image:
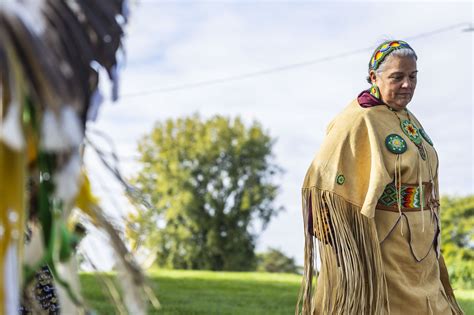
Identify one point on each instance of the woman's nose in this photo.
(406, 83)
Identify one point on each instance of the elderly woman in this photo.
(370, 198)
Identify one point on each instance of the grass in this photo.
(466, 299)
(206, 292)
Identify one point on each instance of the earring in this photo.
(374, 90)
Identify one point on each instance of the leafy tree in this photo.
(275, 260)
(210, 183)
(457, 220)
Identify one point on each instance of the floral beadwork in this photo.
(411, 131)
(414, 134)
(395, 144)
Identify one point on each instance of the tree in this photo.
(457, 220)
(275, 260)
(210, 182)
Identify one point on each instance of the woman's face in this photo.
(397, 81)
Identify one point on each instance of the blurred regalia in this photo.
(52, 53)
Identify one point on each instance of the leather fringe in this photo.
(351, 279)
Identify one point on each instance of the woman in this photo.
(371, 199)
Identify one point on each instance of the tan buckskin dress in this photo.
(375, 259)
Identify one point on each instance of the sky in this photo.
(177, 50)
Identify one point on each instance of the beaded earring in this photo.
(374, 91)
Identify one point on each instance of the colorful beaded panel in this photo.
(395, 144)
(384, 50)
(45, 293)
(410, 196)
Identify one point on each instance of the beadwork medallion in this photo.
(395, 144)
(340, 179)
(411, 131)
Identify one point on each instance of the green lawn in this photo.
(205, 292)
(466, 299)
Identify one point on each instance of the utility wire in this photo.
(280, 68)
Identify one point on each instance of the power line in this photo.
(439, 30)
(244, 75)
(287, 67)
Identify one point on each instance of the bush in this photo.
(457, 221)
(276, 261)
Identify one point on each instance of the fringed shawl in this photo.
(340, 192)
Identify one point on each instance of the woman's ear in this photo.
(372, 76)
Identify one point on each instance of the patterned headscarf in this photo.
(385, 49)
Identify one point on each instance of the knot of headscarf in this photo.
(385, 49)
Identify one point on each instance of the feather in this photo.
(114, 76)
(34, 250)
(31, 13)
(11, 132)
(72, 127)
(52, 44)
(67, 179)
(11, 276)
(69, 273)
(51, 133)
(126, 10)
(63, 133)
(133, 281)
(37, 61)
(132, 294)
(96, 101)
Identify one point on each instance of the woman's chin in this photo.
(402, 103)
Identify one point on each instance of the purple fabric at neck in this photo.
(366, 99)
